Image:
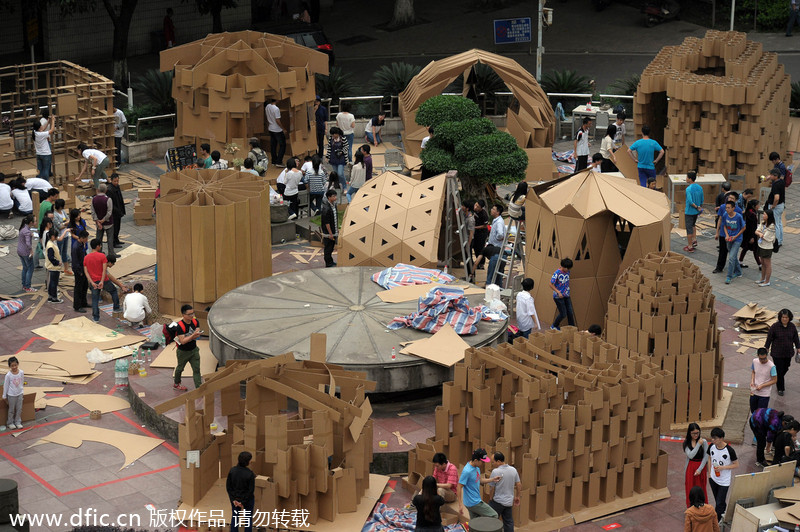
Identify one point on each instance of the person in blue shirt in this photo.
(645, 149)
(775, 159)
(559, 283)
(722, 256)
(732, 227)
(469, 487)
(694, 206)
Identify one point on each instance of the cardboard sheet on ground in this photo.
(58, 402)
(75, 330)
(445, 347)
(133, 446)
(106, 346)
(131, 264)
(748, 311)
(134, 249)
(790, 514)
(168, 358)
(56, 363)
(96, 401)
(416, 291)
(788, 494)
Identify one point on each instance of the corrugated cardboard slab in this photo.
(626, 165)
(788, 495)
(445, 347)
(102, 402)
(28, 407)
(747, 312)
(131, 264)
(133, 446)
(168, 358)
(790, 514)
(85, 347)
(413, 292)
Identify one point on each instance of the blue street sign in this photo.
(512, 30)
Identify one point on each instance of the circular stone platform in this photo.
(277, 314)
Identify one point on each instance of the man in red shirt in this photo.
(446, 475)
(95, 266)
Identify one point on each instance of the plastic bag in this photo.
(97, 356)
(156, 334)
(492, 293)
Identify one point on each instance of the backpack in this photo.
(261, 161)
(170, 332)
(787, 179)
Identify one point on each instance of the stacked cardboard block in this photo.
(7, 156)
(662, 308)
(394, 218)
(143, 208)
(603, 223)
(728, 105)
(315, 459)
(213, 234)
(579, 422)
(532, 123)
(221, 83)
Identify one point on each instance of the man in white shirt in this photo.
(120, 122)
(277, 133)
(526, 310)
(6, 203)
(347, 123)
(41, 186)
(135, 308)
(426, 139)
(581, 144)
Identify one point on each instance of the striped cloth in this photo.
(405, 275)
(387, 519)
(10, 306)
(439, 306)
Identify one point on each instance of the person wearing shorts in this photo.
(694, 206)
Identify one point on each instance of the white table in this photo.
(582, 111)
(679, 180)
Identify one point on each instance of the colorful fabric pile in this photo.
(10, 306)
(445, 305)
(567, 157)
(405, 275)
(386, 519)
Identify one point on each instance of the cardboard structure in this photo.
(82, 100)
(662, 307)
(532, 122)
(392, 219)
(222, 81)
(214, 234)
(579, 422)
(315, 459)
(590, 218)
(728, 105)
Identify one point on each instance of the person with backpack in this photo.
(258, 156)
(185, 333)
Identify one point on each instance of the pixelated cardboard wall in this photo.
(662, 307)
(579, 422)
(316, 459)
(728, 105)
(587, 217)
(532, 123)
(394, 218)
(213, 234)
(220, 84)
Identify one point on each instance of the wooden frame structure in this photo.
(82, 100)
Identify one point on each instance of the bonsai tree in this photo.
(472, 145)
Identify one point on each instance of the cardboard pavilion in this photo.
(394, 218)
(728, 105)
(213, 234)
(603, 223)
(221, 83)
(531, 122)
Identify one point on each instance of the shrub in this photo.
(335, 85)
(498, 169)
(390, 80)
(568, 81)
(446, 108)
(437, 160)
(482, 146)
(772, 14)
(156, 87)
(448, 134)
(133, 114)
(627, 85)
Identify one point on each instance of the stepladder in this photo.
(456, 226)
(511, 251)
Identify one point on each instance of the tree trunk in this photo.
(119, 49)
(403, 13)
(216, 14)
(473, 189)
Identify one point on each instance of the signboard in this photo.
(512, 30)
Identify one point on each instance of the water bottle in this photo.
(394, 353)
(149, 357)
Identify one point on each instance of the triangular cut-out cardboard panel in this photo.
(532, 127)
(603, 224)
(662, 308)
(213, 234)
(386, 223)
(719, 105)
(222, 82)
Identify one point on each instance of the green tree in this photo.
(204, 7)
(472, 145)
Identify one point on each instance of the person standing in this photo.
(53, 266)
(329, 222)
(619, 137)
(241, 488)
(645, 149)
(700, 516)
(777, 204)
(504, 494)
(95, 267)
(25, 250)
(103, 216)
(79, 302)
(469, 228)
(372, 131)
(732, 227)
(481, 231)
(186, 332)
(367, 159)
(607, 150)
(696, 449)
(779, 165)
(337, 155)
(60, 221)
(41, 143)
(469, 484)
(118, 206)
(526, 310)
(749, 239)
(722, 460)
(169, 29)
(320, 118)
(358, 176)
(46, 206)
(98, 161)
(13, 394)
(277, 133)
(694, 206)
(120, 123)
(766, 240)
(446, 475)
(316, 178)
(782, 338)
(581, 145)
(495, 247)
(766, 423)
(722, 248)
(293, 178)
(559, 283)
(347, 123)
(763, 376)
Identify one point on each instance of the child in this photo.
(60, 221)
(722, 460)
(52, 264)
(766, 239)
(527, 318)
(12, 394)
(559, 283)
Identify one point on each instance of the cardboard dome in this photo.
(603, 223)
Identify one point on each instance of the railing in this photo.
(139, 130)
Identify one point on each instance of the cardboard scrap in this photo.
(790, 514)
(445, 348)
(788, 495)
(754, 318)
(413, 292)
(58, 402)
(400, 439)
(168, 358)
(132, 263)
(133, 446)
(103, 403)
